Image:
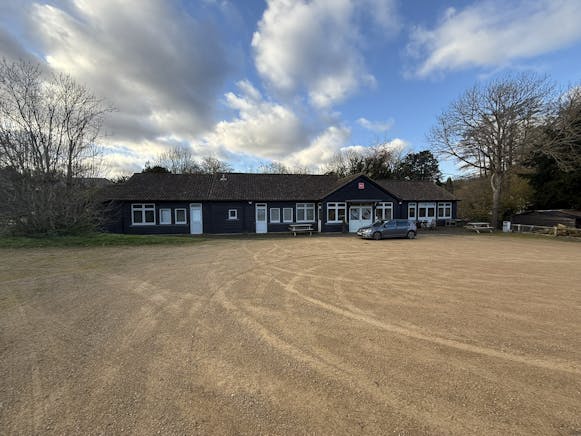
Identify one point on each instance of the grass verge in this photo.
(95, 240)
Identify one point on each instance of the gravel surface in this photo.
(439, 335)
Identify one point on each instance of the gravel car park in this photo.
(321, 335)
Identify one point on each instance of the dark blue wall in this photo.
(215, 214)
(351, 191)
(440, 221)
(216, 217)
(158, 229)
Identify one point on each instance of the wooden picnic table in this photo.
(301, 228)
(479, 227)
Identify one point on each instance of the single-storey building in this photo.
(150, 203)
(549, 218)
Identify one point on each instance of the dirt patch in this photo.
(440, 335)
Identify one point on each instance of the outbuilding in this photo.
(549, 218)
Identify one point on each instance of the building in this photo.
(151, 203)
(549, 218)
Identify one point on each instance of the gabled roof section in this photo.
(340, 182)
(412, 190)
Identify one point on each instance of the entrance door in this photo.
(196, 224)
(359, 216)
(261, 225)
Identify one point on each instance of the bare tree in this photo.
(559, 137)
(179, 160)
(48, 129)
(213, 165)
(378, 162)
(487, 128)
(275, 167)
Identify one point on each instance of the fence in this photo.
(559, 230)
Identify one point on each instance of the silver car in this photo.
(389, 229)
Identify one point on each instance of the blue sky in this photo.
(290, 81)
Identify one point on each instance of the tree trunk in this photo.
(496, 184)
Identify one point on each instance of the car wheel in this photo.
(377, 236)
(411, 234)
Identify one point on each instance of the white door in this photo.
(359, 216)
(196, 224)
(261, 225)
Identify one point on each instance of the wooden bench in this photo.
(301, 228)
(479, 227)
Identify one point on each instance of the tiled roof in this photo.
(156, 187)
(228, 186)
(257, 187)
(416, 190)
(272, 187)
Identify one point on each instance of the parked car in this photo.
(389, 229)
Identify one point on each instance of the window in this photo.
(336, 212)
(143, 214)
(412, 211)
(180, 216)
(426, 210)
(305, 212)
(232, 214)
(287, 215)
(384, 211)
(444, 210)
(165, 216)
(275, 215)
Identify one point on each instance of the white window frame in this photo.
(415, 209)
(161, 221)
(232, 217)
(287, 209)
(143, 207)
(270, 215)
(383, 207)
(336, 207)
(305, 207)
(185, 221)
(447, 206)
(427, 205)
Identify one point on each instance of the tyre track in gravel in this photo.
(414, 333)
(333, 367)
(417, 334)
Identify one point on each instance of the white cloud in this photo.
(321, 149)
(262, 128)
(158, 65)
(376, 126)
(315, 46)
(494, 34)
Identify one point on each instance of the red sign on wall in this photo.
(361, 185)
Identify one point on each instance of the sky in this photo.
(291, 81)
